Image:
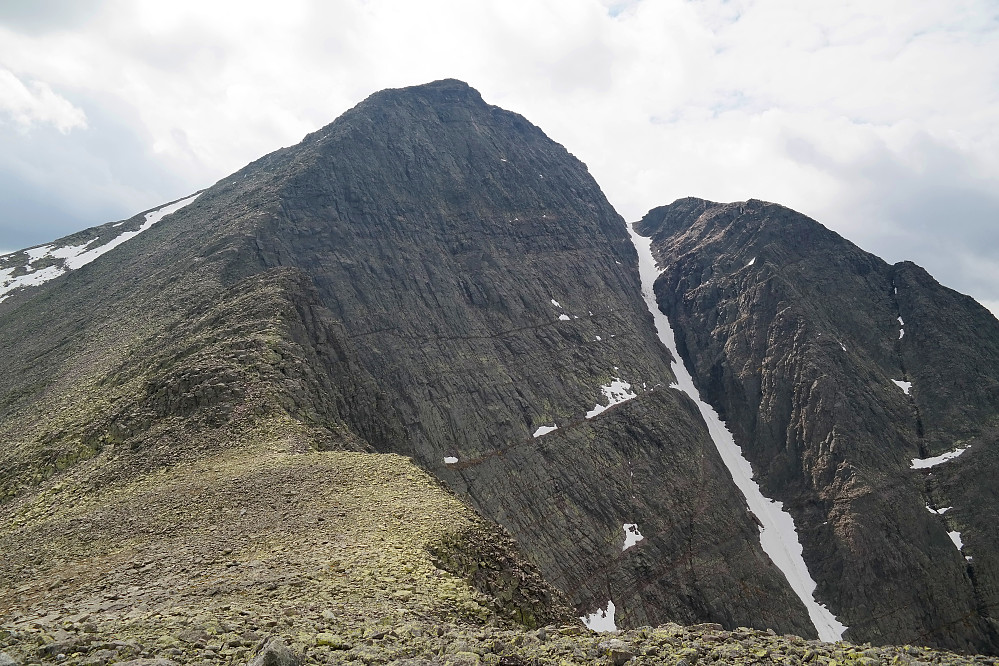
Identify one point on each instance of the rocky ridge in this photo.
(835, 372)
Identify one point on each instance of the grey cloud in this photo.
(54, 184)
(40, 16)
(926, 203)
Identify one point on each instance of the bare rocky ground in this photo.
(272, 552)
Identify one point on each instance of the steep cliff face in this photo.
(842, 377)
(428, 276)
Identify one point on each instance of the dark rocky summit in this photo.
(834, 371)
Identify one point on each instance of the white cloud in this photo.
(36, 103)
(858, 113)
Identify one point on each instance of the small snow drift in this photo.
(544, 430)
(926, 463)
(616, 392)
(905, 386)
(631, 535)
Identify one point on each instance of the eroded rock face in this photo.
(834, 370)
(429, 275)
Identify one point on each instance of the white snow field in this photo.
(616, 392)
(631, 535)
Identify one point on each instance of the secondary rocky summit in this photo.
(201, 427)
(866, 396)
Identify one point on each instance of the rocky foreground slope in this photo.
(844, 379)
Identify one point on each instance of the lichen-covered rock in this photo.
(276, 653)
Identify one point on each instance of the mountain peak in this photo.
(441, 93)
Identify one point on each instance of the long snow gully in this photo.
(777, 533)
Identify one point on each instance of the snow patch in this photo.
(901, 330)
(938, 512)
(563, 317)
(631, 535)
(450, 460)
(926, 463)
(905, 386)
(751, 262)
(601, 619)
(75, 256)
(29, 280)
(598, 338)
(616, 392)
(152, 218)
(556, 303)
(71, 251)
(36, 253)
(777, 533)
(544, 430)
(956, 538)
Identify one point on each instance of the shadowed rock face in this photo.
(793, 334)
(430, 276)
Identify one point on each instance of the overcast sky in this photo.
(879, 118)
